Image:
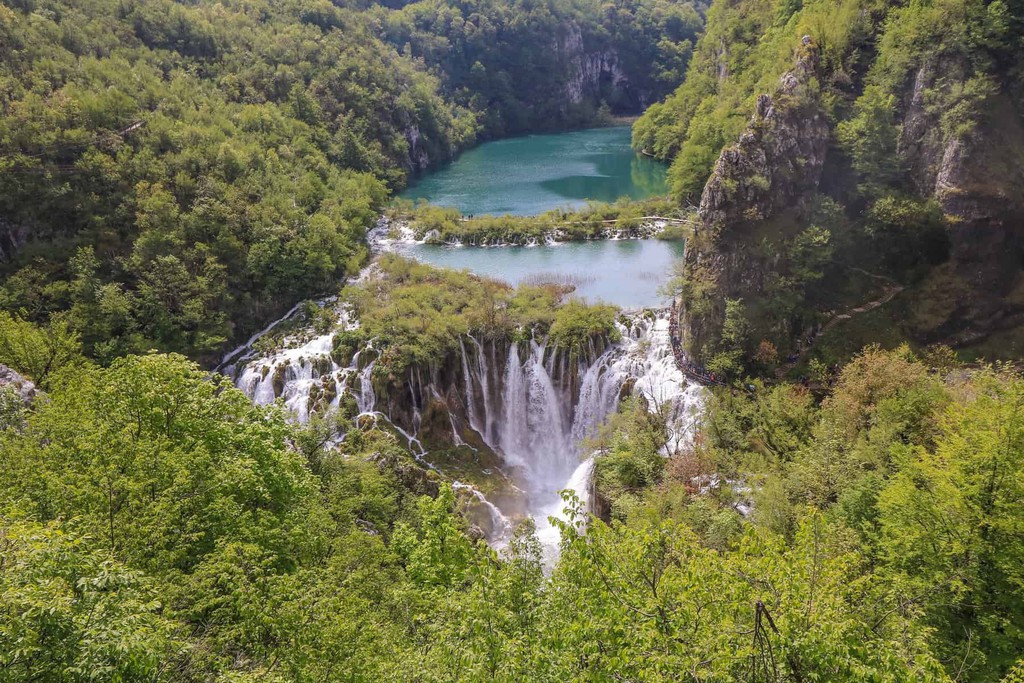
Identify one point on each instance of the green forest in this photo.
(175, 176)
(159, 526)
(175, 173)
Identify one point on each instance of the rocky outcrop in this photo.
(758, 186)
(419, 156)
(413, 477)
(24, 388)
(17, 394)
(778, 159)
(975, 175)
(592, 74)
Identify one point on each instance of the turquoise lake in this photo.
(626, 273)
(529, 175)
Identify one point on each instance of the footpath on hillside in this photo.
(806, 343)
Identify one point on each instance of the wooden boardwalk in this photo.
(693, 371)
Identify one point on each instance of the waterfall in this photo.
(292, 374)
(366, 399)
(531, 403)
(500, 525)
(514, 439)
(547, 533)
(540, 425)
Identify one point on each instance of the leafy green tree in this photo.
(157, 463)
(68, 612)
(951, 528)
(438, 553)
(37, 352)
(650, 603)
(870, 138)
(728, 360)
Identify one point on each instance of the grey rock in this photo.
(25, 388)
(774, 168)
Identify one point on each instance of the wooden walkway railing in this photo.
(697, 373)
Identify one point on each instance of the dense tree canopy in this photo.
(158, 526)
(540, 65)
(174, 174)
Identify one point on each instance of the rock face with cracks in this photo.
(773, 170)
(763, 187)
(975, 177)
(779, 157)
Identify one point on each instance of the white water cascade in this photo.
(539, 422)
(303, 374)
(527, 401)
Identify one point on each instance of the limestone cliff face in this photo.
(13, 237)
(419, 156)
(592, 73)
(759, 194)
(778, 159)
(769, 174)
(976, 177)
(595, 72)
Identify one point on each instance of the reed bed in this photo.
(560, 279)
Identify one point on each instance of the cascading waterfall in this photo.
(535, 408)
(542, 434)
(295, 372)
(366, 399)
(302, 373)
(500, 525)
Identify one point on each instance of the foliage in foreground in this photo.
(157, 526)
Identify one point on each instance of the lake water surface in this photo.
(536, 173)
(529, 175)
(626, 273)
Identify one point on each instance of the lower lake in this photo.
(532, 174)
(626, 273)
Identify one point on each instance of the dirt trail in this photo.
(892, 288)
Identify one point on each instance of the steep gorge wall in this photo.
(956, 117)
(595, 74)
(769, 174)
(976, 177)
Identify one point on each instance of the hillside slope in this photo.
(174, 175)
(825, 138)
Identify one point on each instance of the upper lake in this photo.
(529, 175)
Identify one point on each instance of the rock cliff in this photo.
(975, 175)
(593, 74)
(764, 188)
(778, 159)
(758, 185)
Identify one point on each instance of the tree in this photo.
(952, 527)
(438, 553)
(37, 352)
(68, 612)
(870, 138)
